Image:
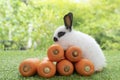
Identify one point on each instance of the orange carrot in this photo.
(73, 54)
(28, 67)
(84, 67)
(65, 67)
(46, 69)
(55, 53)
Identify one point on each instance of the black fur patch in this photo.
(60, 34)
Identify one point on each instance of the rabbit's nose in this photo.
(55, 39)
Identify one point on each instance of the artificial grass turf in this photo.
(10, 60)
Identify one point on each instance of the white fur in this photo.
(91, 50)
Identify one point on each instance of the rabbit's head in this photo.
(64, 30)
(63, 34)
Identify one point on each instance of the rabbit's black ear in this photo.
(68, 18)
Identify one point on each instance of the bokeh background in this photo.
(30, 24)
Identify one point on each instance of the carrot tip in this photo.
(87, 68)
(66, 68)
(46, 70)
(55, 52)
(75, 53)
(26, 68)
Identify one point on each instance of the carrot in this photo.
(84, 67)
(46, 69)
(73, 54)
(65, 67)
(28, 67)
(55, 53)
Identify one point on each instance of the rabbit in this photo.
(66, 37)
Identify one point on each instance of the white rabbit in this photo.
(66, 37)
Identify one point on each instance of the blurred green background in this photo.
(31, 23)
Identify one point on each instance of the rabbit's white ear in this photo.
(68, 18)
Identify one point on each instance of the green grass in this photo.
(10, 60)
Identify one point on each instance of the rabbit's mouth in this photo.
(55, 39)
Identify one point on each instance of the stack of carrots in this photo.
(58, 60)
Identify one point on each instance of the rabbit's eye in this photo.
(61, 34)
